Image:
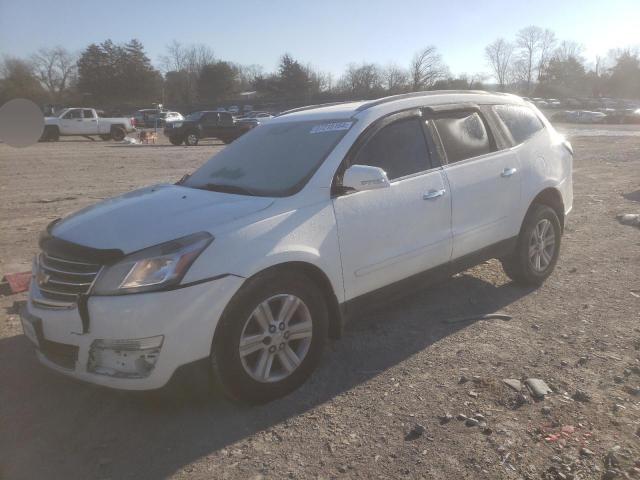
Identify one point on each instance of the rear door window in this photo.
(399, 149)
(211, 118)
(87, 113)
(463, 135)
(521, 122)
(75, 113)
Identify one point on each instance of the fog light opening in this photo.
(124, 358)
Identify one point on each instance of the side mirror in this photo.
(364, 177)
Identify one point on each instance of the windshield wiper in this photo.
(220, 187)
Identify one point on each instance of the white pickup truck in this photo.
(85, 122)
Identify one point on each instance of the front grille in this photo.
(61, 354)
(62, 280)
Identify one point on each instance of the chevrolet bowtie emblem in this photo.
(42, 278)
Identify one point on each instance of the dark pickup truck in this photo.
(197, 125)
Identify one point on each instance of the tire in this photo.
(118, 134)
(191, 139)
(236, 375)
(531, 263)
(106, 138)
(51, 133)
(176, 140)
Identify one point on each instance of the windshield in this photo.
(275, 159)
(194, 117)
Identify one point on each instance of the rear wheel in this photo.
(118, 133)
(176, 140)
(270, 337)
(191, 139)
(537, 248)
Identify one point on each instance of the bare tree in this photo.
(426, 69)
(568, 49)
(499, 57)
(190, 58)
(55, 69)
(547, 44)
(529, 42)
(184, 63)
(362, 80)
(394, 78)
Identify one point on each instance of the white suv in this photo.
(259, 255)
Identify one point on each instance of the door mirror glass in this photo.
(364, 177)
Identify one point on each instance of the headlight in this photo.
(153, 268)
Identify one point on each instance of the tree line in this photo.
(536, 63)
(109, 75)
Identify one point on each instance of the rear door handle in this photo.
(507, 172)
(431, 194)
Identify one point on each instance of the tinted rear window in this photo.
(463, 135)
(521, 122)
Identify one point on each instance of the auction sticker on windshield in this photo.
(331, 127)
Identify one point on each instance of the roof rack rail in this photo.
(311, 107)
(428, 93)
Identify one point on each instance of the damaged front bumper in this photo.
(134, 342)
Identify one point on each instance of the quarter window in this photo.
(399, 149)
(521, 122)
(463, 135)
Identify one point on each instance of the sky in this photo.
(327, 34)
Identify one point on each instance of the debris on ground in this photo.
(581, 396)
(416, 432)
(56, 199)
(538, 387)
(17, 282)
(632, 219)
(513, 383)
(446, 418)
(472, 318)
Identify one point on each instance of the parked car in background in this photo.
(587, 116)
(85, 122)
(163, 118)
(234, 109)
(252, 261)
(255, 118)
(260, 116)
(624, 116)
(153, 117)
(207, 124)
(579, 116)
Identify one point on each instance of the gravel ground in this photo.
(386, 399)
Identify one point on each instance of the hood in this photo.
(154, 215)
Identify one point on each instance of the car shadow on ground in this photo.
(54, 427)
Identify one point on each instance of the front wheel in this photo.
(50, 134)
(270, 337)
(537, 248)
(191, 140)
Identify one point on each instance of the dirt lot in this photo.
(393, 369)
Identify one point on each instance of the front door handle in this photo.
(507, 172)
(431, 194)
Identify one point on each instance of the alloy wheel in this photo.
(276, 338)
(542, 245)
